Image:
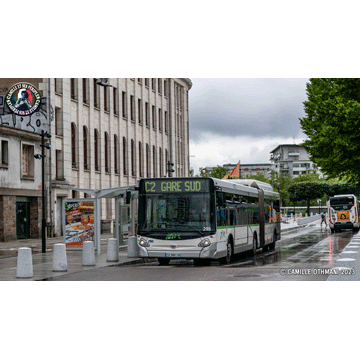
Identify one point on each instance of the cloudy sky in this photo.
(243, 119)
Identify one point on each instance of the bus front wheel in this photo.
(163, 261)
(229, 254)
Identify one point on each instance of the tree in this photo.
(307, 191)
(342, 188)
(332, 124)
(281, 184)
(217, 172)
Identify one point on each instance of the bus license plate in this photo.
(343, 216)
(173, 255)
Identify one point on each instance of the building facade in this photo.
(291, 159)
(249, 170)
(106, 133)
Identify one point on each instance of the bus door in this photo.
(261, 217)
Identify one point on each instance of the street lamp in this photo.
(103, 82)
(42, 157)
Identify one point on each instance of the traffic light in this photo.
(169, 168)
(128, 196)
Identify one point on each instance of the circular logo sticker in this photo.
(23, 99)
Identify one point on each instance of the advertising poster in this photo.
(79, 222)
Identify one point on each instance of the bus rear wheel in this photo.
(273, 244)
(253, 251)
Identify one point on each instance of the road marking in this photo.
(349, 252)
(346, 259)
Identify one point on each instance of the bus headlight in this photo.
(144, 243)
(204, 243)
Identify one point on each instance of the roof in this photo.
(283, 145)
(247, 187)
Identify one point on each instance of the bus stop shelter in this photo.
(127, 195)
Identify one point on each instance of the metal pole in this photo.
(43, 235)
(50, 178)
(170, 127)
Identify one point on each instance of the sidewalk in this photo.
(43, 263)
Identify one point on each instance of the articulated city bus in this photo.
(344, 212)
(205, 218)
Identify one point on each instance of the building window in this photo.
(140, 81)
(160, 163)
(166, 90)
(147, 161)
(147, 115)
(139, 111)
(166, 122)
(59, 165)
(146, 82)
(116, 154)
(123, 97)
(107, 152)
(97, 150)
(73, 88)
(154, 160)
(28, 161)
(153, 112)
(58, 122)
(116, 101)
(4, 160)
(132, 108)
(86, 148)
(133, 171)
(85, 85)
(106, 99)
(153, 84)
(160, 86)
(96, 95)
(166, 158)
(140, 160)
(58, 86)
(124, 156)
(73, 146)
(160, 120)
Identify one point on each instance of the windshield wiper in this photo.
(151, 226)
(191, 226)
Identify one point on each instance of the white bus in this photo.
(205, 218)
(344, 212)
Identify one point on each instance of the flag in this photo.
(234, 173)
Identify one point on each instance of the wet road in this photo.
(305, 254)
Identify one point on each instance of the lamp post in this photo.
(42, 157)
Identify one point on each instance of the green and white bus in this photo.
(205, 218)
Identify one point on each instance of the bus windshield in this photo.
(342, 202)
(190, 212)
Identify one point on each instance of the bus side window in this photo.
(232, 217)
(221, 217)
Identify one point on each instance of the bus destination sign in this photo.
(176, 186)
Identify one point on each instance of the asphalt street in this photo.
(305, 254)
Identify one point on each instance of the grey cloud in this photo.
(254, 107)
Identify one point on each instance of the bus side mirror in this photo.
(220, 199)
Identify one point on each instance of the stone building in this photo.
(106, 133)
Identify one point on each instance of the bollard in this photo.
(133, 248)
(60, 258)
(88, 253)
(112, 249)
(24, 267)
